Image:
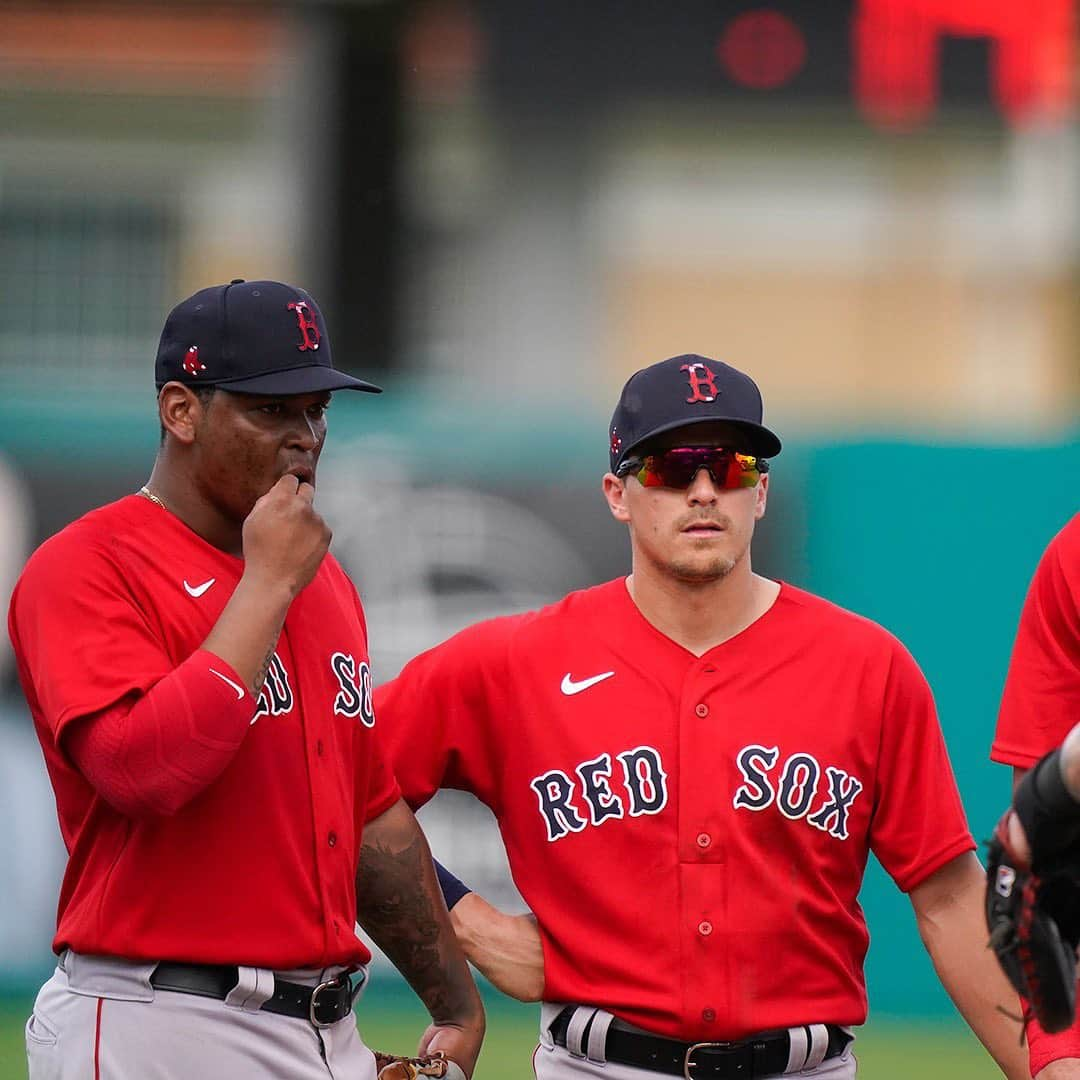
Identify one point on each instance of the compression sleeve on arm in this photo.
(154, 756)
(453, 888)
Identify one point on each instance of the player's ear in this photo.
(762, 495)
(179, 410)
(614, 489)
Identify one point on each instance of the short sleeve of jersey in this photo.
(382, 786)
(437, 715)
(1041, 702)
(376, 786)
(82, 641)
(918, 823)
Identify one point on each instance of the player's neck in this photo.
(180, 496)
(701, 615)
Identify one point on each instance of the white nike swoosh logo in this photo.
(198, 590)
(225, 679)
(569, 687)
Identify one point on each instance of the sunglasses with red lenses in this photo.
(677, 467)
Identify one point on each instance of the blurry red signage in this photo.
(896, 55)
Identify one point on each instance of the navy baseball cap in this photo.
(251, 337)
(687, 390)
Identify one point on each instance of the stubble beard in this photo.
(705, 568)
(699, 573)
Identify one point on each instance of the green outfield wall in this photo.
(935, 541)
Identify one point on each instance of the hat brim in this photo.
(762, 442)
(311, 379)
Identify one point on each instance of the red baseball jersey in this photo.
(1041, 702)
(259, 867)
(691, 832)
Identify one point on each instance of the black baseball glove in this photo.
(1033, 912)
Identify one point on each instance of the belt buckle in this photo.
(336, 982)
(687, 1064)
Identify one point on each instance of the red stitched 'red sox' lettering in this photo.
(644, 782)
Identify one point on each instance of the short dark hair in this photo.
(203, 393)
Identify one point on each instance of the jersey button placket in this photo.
(311, 725)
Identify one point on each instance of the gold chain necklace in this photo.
(144, 490)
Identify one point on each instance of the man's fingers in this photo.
(286, 484)
(290, 484)
(1018, 840)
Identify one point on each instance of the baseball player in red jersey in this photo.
(1039, 708)
(689, 768)
(196, 666)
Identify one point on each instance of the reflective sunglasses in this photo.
(677, 467)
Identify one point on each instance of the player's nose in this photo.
(304, 434)
(702, 490)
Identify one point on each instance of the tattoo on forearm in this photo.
(396, 908)
(260, 675)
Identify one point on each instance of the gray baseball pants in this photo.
(551, 1062)
(98, 1018)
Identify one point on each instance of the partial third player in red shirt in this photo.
(1040, 706)
(689, 768)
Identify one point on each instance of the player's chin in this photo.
(702, 570)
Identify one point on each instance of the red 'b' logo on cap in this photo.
(309, 332)
(702, 382)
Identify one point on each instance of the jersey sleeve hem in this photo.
(76, 711)
(141, 687)
(916, 877)
(380, 806)
(1020, 758)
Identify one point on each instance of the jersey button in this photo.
(332, 839)
(703, 840)
(704, 928)
(319, 747)
(708, 1015)
(702, 710)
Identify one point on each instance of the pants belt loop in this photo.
(799, 1049)
(549, 1013)
(819, 1043)
(575, 1031)
(253, 987)
(596, 1051)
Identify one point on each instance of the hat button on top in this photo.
(237, 281)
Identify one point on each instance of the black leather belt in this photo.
(322, 1005)
(766, 1054)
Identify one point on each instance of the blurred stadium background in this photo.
(507, 207)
